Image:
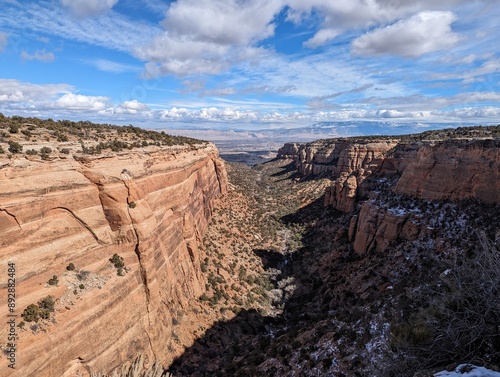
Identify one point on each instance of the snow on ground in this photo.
(468, 370)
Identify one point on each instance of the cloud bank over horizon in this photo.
(251, 63)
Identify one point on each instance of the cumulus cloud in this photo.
(205, 36)
(18, 91)
(40, 55)
(475, 113)
(211, 114)
(71, 101)
(131, 107)
(342, 15)
(420, 34)
(85, 8)
(3, 41)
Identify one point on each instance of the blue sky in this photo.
(251, 63)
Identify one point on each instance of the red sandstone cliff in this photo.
(151, 207)
(449, 170)
(454, 170)
(339, 157)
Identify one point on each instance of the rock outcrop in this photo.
(343, 192)
(339, 157)
(374, 228)
(151, 207)
(288, 150)
(431, 170)
(454, 170)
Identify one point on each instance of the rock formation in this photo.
(339, 156)
(374, 227)
(432, 170)
(454, 170)
(151, 207)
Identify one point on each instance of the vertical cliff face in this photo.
(336, 157)
(454, 170)
(429, 170)
(348, 163)
(150, 207)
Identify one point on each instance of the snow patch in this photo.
(468, 370)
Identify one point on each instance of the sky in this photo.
(251, 64)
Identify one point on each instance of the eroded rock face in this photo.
(375, 227)
(288, 150)
(149, 207)
(340, 157)
(454, 170)
(447, 170)
(348, 163)
(342, 193)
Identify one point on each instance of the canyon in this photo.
(336, 258)
(432, 170)
(150, 206)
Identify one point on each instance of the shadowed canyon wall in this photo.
(151, 207)
(430, 170)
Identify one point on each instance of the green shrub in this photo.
(47, 303)
(46, 306)
(31, 313)
(132, 204)
(81, 286)
(41, 311)
(70, 267)
(45, 152)
(117, 261)
(32, 152)
(53, 280)
(15, 147)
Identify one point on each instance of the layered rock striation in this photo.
(336, 157)
(453, 169)
(151, 207)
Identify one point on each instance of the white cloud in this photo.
(111, 66)
(422, 33)
(60, 101)
(85, 8)
(131, 107)
(222, 22)
(211, 114)
(342, 15)
(321, 37)
(40, 55)
(43, 39)
(205, 36)
(218, 92)
(71, 101)
(18, 91)
(488, 67)
(111, 30)
(3, 41)
(475, 113)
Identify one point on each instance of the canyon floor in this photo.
(291, 298)
(369, 256)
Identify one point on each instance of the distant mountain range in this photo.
(272, 139)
